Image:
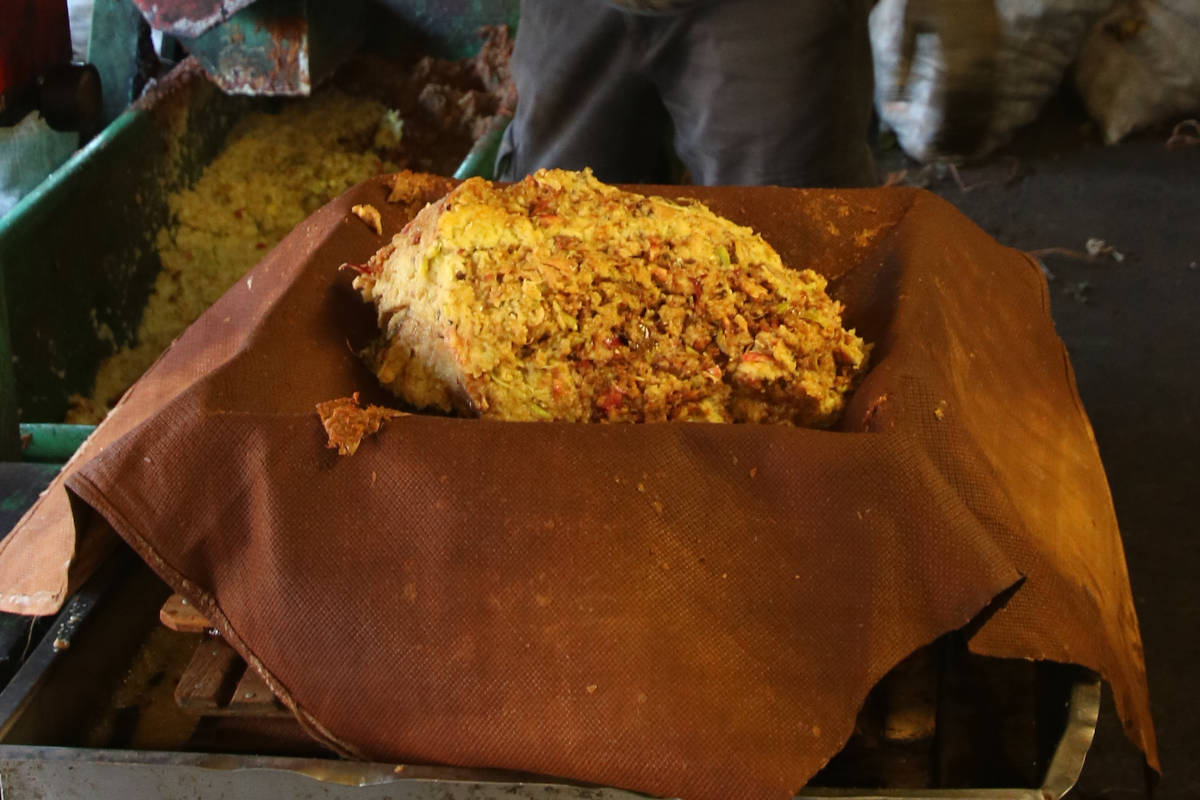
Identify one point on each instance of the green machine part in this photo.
(49, 443)
(279, 47)
(112, 49)
(77, 255)
(10, 446)
(286, 47)
(442, 28)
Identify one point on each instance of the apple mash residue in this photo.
(347, 423)
(274, 171)
(562, 298)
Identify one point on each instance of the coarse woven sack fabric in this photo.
(692, 610)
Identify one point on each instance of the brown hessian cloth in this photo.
(679, 609)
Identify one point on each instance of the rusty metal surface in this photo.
(188, 19)
(257, 56)
(279, 47)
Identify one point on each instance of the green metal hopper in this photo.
(77, 255)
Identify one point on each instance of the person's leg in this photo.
(763, 92)
(582, 99)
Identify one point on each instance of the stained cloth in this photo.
(680, 609)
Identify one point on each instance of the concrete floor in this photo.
(1132, 330)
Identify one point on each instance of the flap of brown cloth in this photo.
(693, 610)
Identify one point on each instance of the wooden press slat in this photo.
(180, 615)
(253, 697)
(210, 678)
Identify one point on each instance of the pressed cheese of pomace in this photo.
(562, 298)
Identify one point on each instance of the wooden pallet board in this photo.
(253, 698)
(210, 678)
(180, 615)
(217, 682)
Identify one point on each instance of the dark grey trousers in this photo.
(749, 92)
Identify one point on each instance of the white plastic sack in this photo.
(956, 78)
(1140, 66)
